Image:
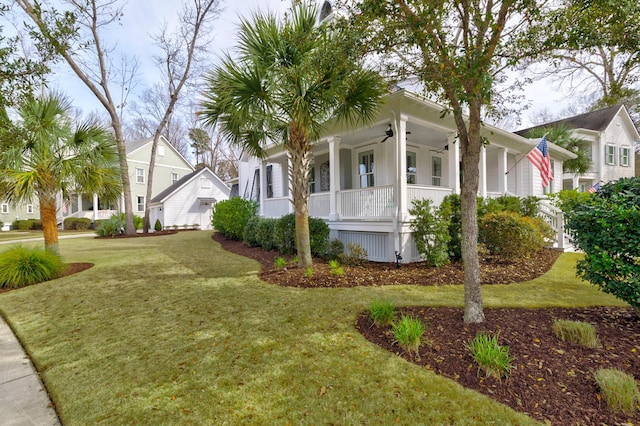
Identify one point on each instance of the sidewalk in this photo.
(61, 237)
(23, 399)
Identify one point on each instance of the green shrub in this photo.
(284, 234)
(577, 332)
(566, 200)
(336, 269)
(492, 358)
(451, 204)
(355, 255)
(249, 236)
(157, 226)
(308, 273)
(1, 224)
(335, 249)
(77, 223)
(265, 233)
(318, 236)
(618, 389)
(281, 263)
(231, 216)
(381, 312)
(510, 235)
(607, 230)
(110, 227)
(21, 266)
(530, 206)
(27, 224)
(408, 333)
(430, 228)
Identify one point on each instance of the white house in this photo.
(189, 200)
(612, 137)
(363, 180)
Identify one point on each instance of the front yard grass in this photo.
(173, 329)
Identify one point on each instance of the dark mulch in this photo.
(142, 235)
(551, 380)
(493, 270)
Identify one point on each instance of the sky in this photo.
(142, 18)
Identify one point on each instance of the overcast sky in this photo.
(143, 17)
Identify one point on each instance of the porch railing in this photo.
(555, 218)
(276, 207)
(367, 203)
(434, 193)
(319, 205)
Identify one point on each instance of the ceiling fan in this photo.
(389, 133)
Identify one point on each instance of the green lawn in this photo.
(173, 329)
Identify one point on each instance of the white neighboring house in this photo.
(612, 136)
(363, 180)
(189, 200)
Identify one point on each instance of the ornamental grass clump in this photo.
(21, 266)
(336, 269)
(492, 358)
(408, 333)
(618, 389)
(281, 263)
(577, 332)
(381, 312)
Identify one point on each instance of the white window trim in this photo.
(627, 162)
(415, 166)
(174, 177)
(140, 176)
(367, 173)
(205, 183)
(613, 155)
(138, 203)
(436, 178)
(30, 208)
(5, 208)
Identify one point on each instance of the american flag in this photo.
(594, 188)
(539, 157)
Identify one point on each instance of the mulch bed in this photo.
(141, 235)
(551, 380)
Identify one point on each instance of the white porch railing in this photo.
(319, 205)
(374, 203)
(276, 207)
(435, 193)
(555, 218)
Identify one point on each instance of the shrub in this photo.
(27, 224)
(509, 235)
(607, 229)
(77, 223)
(451, 204)
(231, 216)
(430, 228)
(21, 266)
(335, 249)
(284, 234)
(265, 233)
(408, 333)
(318, 236)
(618, 389)
(336, 269)
(577, 332)
(249, 235)
(281, 263)
(355, 255)
(308, 273)
(1, 224)
(381, 312)
(491, 357)
(157, 226)
(110, 227)
(566, 200)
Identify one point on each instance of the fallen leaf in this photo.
(323, 390)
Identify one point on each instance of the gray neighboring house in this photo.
(612, 136)
(189, 201)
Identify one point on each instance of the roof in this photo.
(180, 182)
(595, 120)
(131, 146)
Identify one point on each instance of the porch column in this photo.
(263, 186)
(334, 177)
(95, 207)
(482, 187)
(290, 189)
(401, 164)
(454, 162)
(502, 170)
(575, 182)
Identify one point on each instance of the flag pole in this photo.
(525, 156)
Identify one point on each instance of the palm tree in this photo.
(562, 136)
(288, 79)
(48, 157)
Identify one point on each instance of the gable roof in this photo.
(133, 146)
(161, 197)
(595, 120)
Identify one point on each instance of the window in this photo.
(30, 208)
(312, 179)
(411, 167)
(174, 178)
(436, 171)
(624, 156)
(5, 208)
(140, 200)
(205, 183)
(161, 150)
(610, 154)
(365, 169)
(270, 181)
(139, 175)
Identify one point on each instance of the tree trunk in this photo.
(471, 146)
(49, 222)
(300, 153)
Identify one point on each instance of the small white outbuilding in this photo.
(189, 201)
